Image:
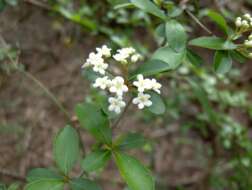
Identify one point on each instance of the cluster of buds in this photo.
(117, 86)
(244, 22)
(248, 42)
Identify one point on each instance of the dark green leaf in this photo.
(134, 173)
(130, 140)
(83, 184)
(237, 56)
(45, 185)
(95, 121)
(66, 149)
(175, 35)
(95, 160)
(2, 5)
(194, 58)
(42, 174)
(219, 20)
(149, 7)
(222, 62)
(213, 43)
(158, 106)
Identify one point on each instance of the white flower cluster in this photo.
(248, 42)
(244, 22)
(116, 85)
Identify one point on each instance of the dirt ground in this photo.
(30, 119)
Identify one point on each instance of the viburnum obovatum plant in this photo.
(124, 76)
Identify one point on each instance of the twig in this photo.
(38, 4)
(122, 114)
(198, 21)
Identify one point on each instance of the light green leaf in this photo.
(95, 121)
(163, 59)
(83, 184)
(175, 35)
(95, 160)
(130, 141)
(66, 149)
(194, 58)
(222, 62)
(134, 173)
(149, 7)
(14, 186)
(237, 56)
(219, 20)
(158, 106)
(213, 43)
(45, 185)
(42, 174)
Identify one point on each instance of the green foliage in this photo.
(130, 141)
(222, 62)
(95, 121)
(95, 160)
(66, 154)
(134, 173)
(214, 43)
(83, 184)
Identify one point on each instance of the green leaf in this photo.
(2, 5)
(222, 62)
(66, 149)
(158, 106)
(213, 43)
(194, 58)
(42, 174)
(12, 2)
(130, 141)
(237, 56)
(175, 35)
(149, 7)
(95, 160)
(83, 184)
(163, 59)
(14, 186)
(134, 173)
(219, 20)
(45, 185)
(95, 121)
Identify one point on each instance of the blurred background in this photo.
(43, 44)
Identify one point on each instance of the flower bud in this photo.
(248, 43)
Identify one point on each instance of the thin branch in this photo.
(198, 22)
(122, 114)
(38, 4)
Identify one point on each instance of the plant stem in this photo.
(122, 114)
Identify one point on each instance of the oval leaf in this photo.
(175, 35)
(194, 58)
(95, 160)
(158, 106)
(149, 7)
(45, 185)
(42, 174)
(222, 62)
(130, 140)
(134, 173)
(213, 43)
(66, 149)
(95, 121)
(83, 184)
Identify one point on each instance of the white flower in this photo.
(116, 104)
(238, 22)
(121, 57)
(102, 82)
(123, 54)
(135, 57)
(245, 24)
(95, 58)
(248, 43)
(247, 16)
(118, 86)
(142, 83)
(155, 86)
(86, 64)
(100, 68)
(104, 50)
(142, 100)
